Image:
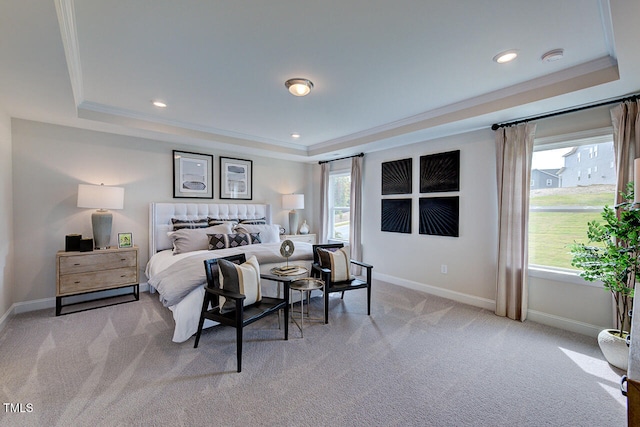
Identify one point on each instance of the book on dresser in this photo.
(80, 273)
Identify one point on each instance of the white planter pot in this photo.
(614, 348)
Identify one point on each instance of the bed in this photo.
(179, 237)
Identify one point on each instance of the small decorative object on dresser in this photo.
(307, 238)
(86, 272)
(304, 228)
(125, 240)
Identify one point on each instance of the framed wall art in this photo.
(236, 178)
(396, 177)
(396, 215)
(192, 175)
(439, 216)
(440, 172)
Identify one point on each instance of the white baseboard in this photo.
(434, 290)
(45, 303)
(564, 323)
(532, 315)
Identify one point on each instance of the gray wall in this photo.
(50, 161)
(6, 220)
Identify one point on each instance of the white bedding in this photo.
(186, 313)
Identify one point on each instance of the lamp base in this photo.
(101, 222)
(293, 222)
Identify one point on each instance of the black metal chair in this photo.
(339, 286)
(242, 315)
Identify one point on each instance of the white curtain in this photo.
(514, 148)
(355, 213)
(625, 119)
(324, 202)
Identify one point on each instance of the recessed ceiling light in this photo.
(159, 104)
(552, 55)
(295, 135)
(299, 87)
(506, 56)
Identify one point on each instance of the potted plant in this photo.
(611, 257)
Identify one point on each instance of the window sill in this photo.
(560, 275)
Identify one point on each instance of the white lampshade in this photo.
(100, 197)
(293, 201)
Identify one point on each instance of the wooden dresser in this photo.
(100, 270)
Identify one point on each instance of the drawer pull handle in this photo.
(77, 263)
(76, 282)
(124, 275)
(123, 259)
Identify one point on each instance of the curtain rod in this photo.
(497, 126)
(341, 158)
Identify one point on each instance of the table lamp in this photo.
(293, 202)
(102, 198)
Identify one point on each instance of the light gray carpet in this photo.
(417, 360)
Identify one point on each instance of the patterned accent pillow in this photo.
(218, 221)
(243, 279)
(339, 261)
(194, 239)
(180, 224)
(268, 233)
(256, 221)
(224, 241)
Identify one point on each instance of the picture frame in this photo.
(125, 240)
(440, 216)
(192, 175)
(440, 172)
(397, 177)
(236, 178)
(395, 215)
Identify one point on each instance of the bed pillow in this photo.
(339, 261)
(243, 279)
(232, 240)
(255, 221)
(268, 233)
(218, 221)
(195, 239)
(179, 224)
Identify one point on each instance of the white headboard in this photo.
(160, 215)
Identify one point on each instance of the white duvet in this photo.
(185, 304)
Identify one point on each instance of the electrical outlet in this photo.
(443, 269)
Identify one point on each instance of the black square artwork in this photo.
(396, 177)
(396, 215)
(440, 172)
(439, 216)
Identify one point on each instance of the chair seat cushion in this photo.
(243, 279)
(338, 261)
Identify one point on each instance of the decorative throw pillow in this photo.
(194, 239)
(255, 221)
(339, 261)
(218, 221)
(243, 279)
(233, 240)
(179, 224)
(268, 233)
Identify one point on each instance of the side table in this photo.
(304, 286)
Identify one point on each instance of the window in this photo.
(558, 215)
(339, 201)
(549, 182)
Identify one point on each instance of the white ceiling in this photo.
(385, 72)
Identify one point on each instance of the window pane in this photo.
(339, 199)
(574, 192)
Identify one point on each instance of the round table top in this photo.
(306, 284)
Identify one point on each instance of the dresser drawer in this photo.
(94, 280)
(96, 261)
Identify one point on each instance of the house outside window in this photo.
(339, 202)
(558, 215)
